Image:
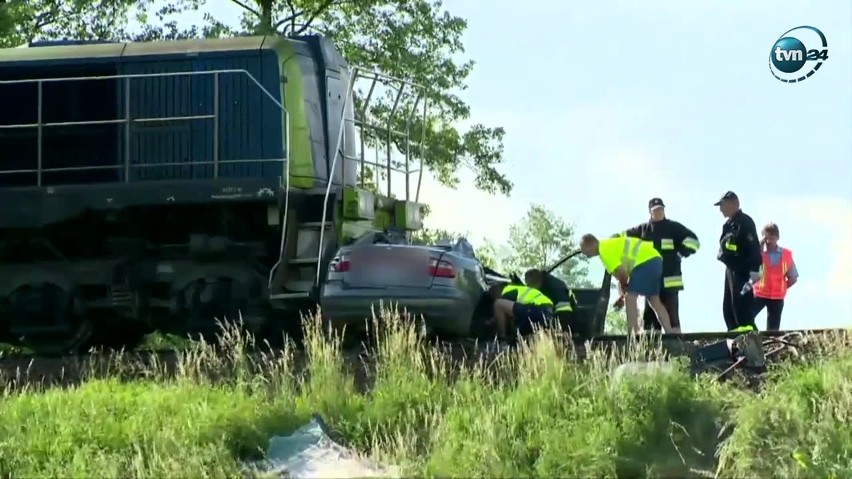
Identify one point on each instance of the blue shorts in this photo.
(646, 279)
(526, 315)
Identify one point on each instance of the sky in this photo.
(607, 104)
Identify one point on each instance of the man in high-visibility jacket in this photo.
(778, 273)
(554, 288)
(557, 291)
(521, 306)
(638, 267)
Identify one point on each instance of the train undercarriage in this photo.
(107, 279)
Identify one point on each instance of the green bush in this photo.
(800, 426)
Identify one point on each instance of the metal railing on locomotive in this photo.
(128, 121)
(398, 88)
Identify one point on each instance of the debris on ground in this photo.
(310, 453)
(746, 355)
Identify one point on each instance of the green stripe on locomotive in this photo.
(302, 169)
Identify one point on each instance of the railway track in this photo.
(26, 371)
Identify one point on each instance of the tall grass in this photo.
(545, 414)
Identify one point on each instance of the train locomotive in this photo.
(165, 185)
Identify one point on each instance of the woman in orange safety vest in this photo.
(777, 274)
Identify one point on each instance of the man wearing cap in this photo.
(739, 251)
(673, 241)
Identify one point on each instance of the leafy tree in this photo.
(616, 322)
(30, 20)
(7, 23)
(541, 239)
(489, 256)
(433, 236)
(411, 39)
(53, 19)
(486, 253)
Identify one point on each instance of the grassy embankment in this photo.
(545, 416)
(153, 342)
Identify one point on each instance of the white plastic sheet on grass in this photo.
(310, 453)
(639, 368)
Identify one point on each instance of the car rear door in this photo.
(592, 301)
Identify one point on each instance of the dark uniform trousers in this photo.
(739, 251)
(737, 308)
(774, 308)
(670, 301)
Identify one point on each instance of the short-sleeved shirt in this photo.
(611, 252)
(775, 257)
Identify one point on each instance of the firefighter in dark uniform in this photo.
(674, 241)
(739, 251)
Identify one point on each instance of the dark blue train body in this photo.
(250, 124)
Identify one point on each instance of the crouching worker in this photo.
(557, 291)
(519, 306)
(638, 267)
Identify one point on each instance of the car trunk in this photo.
(385, 266)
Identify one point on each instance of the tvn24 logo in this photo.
(791, 61)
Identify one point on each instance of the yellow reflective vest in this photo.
(566, 306)
(625, 252)
(527, 295)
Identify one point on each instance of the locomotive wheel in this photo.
(58, 344)
(114, 333)
(213, 306)
(280, 328)
(43, 319)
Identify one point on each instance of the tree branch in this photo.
(291, 18)
(46, 18)
(304, 27)
(319, 11)
(244, 5)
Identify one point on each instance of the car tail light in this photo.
(340, 264)
(441, 269)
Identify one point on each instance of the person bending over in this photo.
(564, 300)
(638, 267)
(519, 306)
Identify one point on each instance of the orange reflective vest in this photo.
(773, 279)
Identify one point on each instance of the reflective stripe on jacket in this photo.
(674, 241)
(773, 279)
(566, 306)
(527, 295)
(625, 252)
